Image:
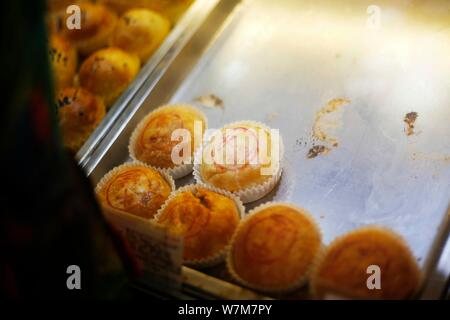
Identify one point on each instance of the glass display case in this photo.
(359, 94)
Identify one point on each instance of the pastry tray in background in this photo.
(175, 40)
(280, 62)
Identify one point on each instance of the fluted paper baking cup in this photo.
(178, 171)
(336, 242)
(107, 177)
(218, 257)
(302, 280)
(252, 193)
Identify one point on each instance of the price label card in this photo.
(159, 254)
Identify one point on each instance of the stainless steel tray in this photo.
(279, 62)
(178, 35)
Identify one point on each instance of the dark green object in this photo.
(49, 218)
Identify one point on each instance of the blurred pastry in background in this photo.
(140, 31)
(108, 72)
(63, 59)
(55, 21)
(349, 262)
(79, 114)
(97, 25)
(61, 5)
(172, 9)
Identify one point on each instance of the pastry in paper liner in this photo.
(219, 234)
(162, 158)
(137, 189)
(277, 244)
(343, 269)
(253, 190)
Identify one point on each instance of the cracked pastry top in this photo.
(140, 31)
(108, 72)
(63, 59)
(231, 161)
(135, 189)
(79, 113)
(96, 27)
(343, 271)
(274, 248)
(206, 220)
(152, 140)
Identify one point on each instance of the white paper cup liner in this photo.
(272, 289)
(252, 193)
(107, 177)
(177, 171)
(314, 278)
(218, 257)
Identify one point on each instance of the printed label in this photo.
(159, 254)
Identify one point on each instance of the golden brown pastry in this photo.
(97, 25)
(108, 72)
(343, 271)
(59, 5)
(134, 188)
(151, 141)
(63, 58)
(175, 10)
(205, 218)
(140, 31)
(274, 248)
(79, 113)
(55, 21)
(226, 171)
(172, 9)
(56, 16)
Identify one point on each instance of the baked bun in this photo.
(55, 21)
(205, 218)
(79, 114)
(226, 170)
(172, 9)
(152, 143)
(140, 31)
(108, 72)
(134, 188)
(61, 5)
(343, 270)
(274, 248)
(63, 59)
(97, 25)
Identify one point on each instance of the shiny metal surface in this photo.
(280, 61)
